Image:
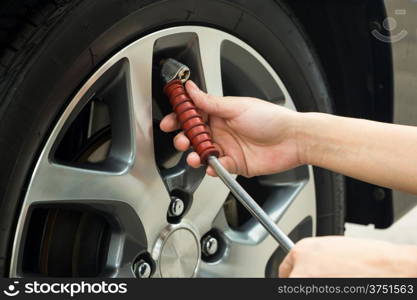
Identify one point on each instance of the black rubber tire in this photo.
(49, 47)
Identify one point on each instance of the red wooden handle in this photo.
(191, 121)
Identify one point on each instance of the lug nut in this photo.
(142, 269)
(177, 207)
(210, 245)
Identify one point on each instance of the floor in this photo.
(404, 231)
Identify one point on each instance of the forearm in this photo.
(379, 153)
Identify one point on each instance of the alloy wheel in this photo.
(116, 186)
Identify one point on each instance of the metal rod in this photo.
(251, 205)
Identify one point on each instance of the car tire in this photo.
(48, 48)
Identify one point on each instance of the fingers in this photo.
(210, 104)
(169, 123)
(181, 142)
(228, 163)
(286, 266)
(193, 159)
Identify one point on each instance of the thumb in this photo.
(210, 104)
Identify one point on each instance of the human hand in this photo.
(255, 137)
(337, 256)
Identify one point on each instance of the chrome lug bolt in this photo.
(142, 269)
(177, 207)
(210, 245)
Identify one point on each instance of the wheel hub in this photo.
(178, 252)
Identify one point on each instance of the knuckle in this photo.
(211, 97)
(282, 268)
(297, 252)
(216, 106)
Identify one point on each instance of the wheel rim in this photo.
(132, 187)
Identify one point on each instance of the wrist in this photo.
(310, 137)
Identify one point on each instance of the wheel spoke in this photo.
(145, 193)
(55, 183)
(153, 207)
(139, 184)
(295, 190)
(299, 209)
(183, 177)
(208, 201)
(210, 46)
(242, 257)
